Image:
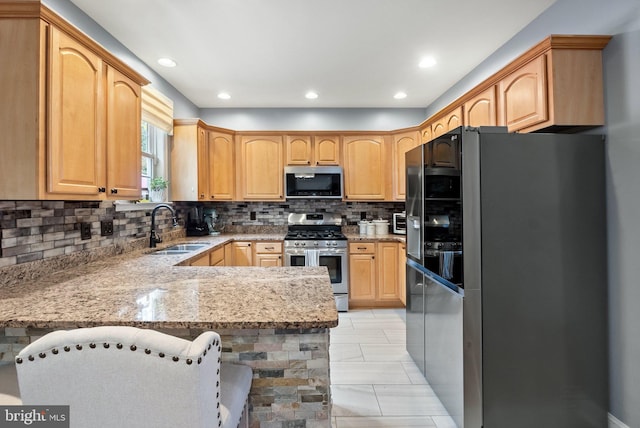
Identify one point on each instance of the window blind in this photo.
(157, 109)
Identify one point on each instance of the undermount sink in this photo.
(179, 249)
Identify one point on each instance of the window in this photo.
(154, 155)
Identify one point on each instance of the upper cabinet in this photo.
(366, 172)
(221, 153)
(523, 96)
(481, 109)
(70, 115)
(260, 167)
(425, 133)
(402, 143)
(202, 162)
(313, 150)
(447, 122)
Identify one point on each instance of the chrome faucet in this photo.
(155, 238)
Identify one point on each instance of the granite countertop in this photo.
(153, 291)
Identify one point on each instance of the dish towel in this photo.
(446, 264)
(312, 257)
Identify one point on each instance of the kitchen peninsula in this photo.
(275, 320)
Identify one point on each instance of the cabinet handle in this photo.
(362, 248)
(102, 190)
(269, 248)
(114, 191)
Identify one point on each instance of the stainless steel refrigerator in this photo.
(506, 277)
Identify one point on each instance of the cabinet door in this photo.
(362, 277)
(261, 168)
(76, 140)
(447, 123)
(426, 134)
(298, 149)
(241, 254)
(123, 136)
(387, 253)
(203, 165)
(523, 96)
(365, 168)
(221, 166)
(268, 260)
(228, 254)
(326, 150)
(481, 109)
(402, 143)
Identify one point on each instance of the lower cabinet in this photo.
(374, 274)
(402, 273)
(268, 254)
(216, 257)
(241, 253)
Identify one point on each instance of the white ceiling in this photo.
(354, 53)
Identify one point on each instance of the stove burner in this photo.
(315, 234)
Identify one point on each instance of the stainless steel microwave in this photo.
(313, 182)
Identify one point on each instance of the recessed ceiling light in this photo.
(167, 62)
(427, 62)
(400, 95)
(224, 96)
(311, 95)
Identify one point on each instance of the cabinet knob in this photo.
(102, 190)
(114, 191)
(308, 162)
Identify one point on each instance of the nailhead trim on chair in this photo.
(147, 351)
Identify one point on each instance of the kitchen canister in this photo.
(363, 226)
(381, 226)
(371, 229)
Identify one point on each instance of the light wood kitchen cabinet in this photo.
(242, 253)
(123, 136)
(202, 162)
(425, 133)
(481, 109)
(562, 88)
(523, 96)
(366, 173)
(260, 167)
(316, 150)
(228, 254)
(362, 273)
(221, 161)
(216, 257)
(447, 123)
(402, 143)
(387, 270)
(326, 149)
(268, 254)
(68, 112)
(373, 274)
(203, 260)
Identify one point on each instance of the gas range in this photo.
(315, 230)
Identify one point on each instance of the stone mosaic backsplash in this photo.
(46, 232)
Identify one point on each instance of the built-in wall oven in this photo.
(316, 239)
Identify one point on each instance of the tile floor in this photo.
(374, 382)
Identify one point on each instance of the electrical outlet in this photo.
(252, 215)
(106, 228)
(85, 231)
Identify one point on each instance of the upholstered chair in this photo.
(126, 377)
